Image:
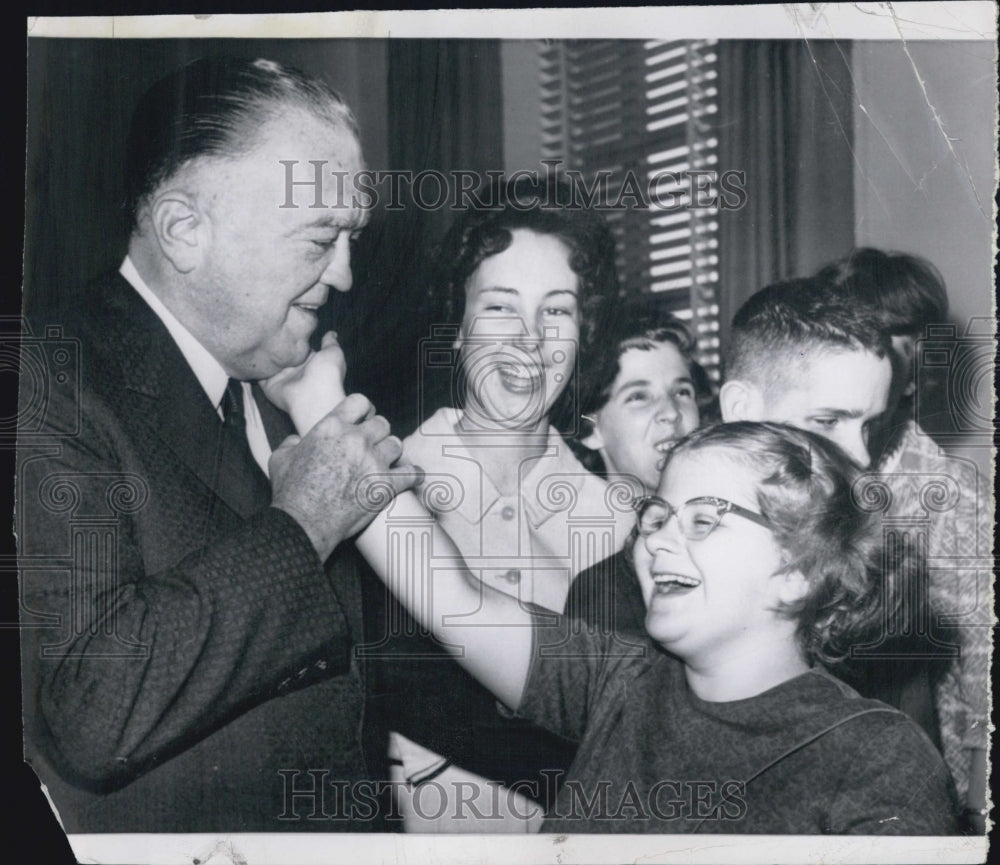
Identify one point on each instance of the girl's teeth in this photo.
(675, 579)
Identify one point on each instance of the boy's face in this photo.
(838, 394)
(651, 405)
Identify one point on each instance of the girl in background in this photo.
(642, 391)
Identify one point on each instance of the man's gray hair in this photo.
(213, 107)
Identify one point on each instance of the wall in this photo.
(924, 131)
(925, 183)
(522, 131)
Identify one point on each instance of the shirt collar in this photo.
(558, 465)
(209, 372)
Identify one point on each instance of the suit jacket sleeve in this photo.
(152, 612)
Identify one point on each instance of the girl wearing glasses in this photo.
(766, 570)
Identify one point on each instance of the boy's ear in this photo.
(792, 587)
(179, 228)
(740, 400)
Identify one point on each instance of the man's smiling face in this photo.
(266, 269)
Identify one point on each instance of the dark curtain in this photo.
(81, 93)
(785, 120)
(445, 114)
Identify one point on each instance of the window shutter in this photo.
(621, 112)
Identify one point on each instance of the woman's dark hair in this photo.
(822, 511)
(212, 107)
(906, 292)
(544, 206)
(643, 323)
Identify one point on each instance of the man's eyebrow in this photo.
(320, 222)
(326, 222)
(848, 413)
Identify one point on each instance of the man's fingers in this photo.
(376, 429)
(279, 454)
(290, 442)
(405, 476)
(354, 408)
(329, 338)
(389, 448)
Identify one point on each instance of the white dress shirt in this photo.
(209, 372)
(561, 520)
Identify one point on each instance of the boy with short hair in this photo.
(800, 356)
(904, 295)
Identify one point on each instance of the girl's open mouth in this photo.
(668, 584)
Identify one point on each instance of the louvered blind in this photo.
(634, 120)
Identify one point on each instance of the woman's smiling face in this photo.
(519, 334)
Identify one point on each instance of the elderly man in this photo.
(189, 606)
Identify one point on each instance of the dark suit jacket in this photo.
(187, 659)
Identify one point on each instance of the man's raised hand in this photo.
(323, 479)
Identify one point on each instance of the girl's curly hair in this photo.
(812, 495)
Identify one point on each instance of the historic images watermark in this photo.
(395, 190)
(311, 794)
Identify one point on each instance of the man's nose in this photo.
(856, 447)
(338, 272)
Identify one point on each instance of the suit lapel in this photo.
(165, 389)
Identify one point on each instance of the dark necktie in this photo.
(241, 480)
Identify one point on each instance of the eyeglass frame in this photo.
(723, 507)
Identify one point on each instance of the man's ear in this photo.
(740, 400)
(594, 441)
(179, 228)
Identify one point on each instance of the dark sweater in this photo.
(608, 598)
(809, 756)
